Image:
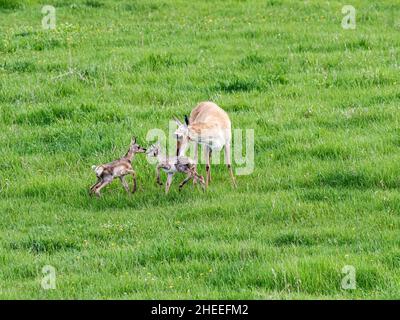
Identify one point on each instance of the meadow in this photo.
(324, 105)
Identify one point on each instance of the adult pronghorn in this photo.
(208, 125)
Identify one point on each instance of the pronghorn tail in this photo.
(98, 170)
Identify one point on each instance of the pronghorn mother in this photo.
(208, 125)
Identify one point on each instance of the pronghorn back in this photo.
(211, 114)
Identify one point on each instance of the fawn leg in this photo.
(201, 179)
(93, 187)
(228, 162)
(168, 184)
(103, 183)
(158, 176)
(124, 183)
(133, 173)
(189, 176)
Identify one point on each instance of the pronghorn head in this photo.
(182, 131)
(134, 148)
(182, 134)
(154, 150)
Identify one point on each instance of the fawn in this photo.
(172, 165)
(106, 173)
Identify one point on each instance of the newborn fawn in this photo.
(106, 173)
(172, 165)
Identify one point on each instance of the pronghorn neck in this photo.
(160, 156)
(165, 158)
(194, 132)
(129, 155)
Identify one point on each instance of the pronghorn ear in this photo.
(186, 120)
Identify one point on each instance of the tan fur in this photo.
(208, 114)
(209, 125)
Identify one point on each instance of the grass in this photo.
(323, 102)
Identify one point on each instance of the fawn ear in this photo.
(178, 122)
(186, 120)
(133, 141)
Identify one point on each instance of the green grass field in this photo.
(324, 104)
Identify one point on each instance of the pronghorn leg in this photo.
(124, 183)
(133, 173)
(168, 184)
(201, 179)
(134, 183)
(209, 162)
(189, 176)
(195, 156)
(103, 183)
(228, 162)
(93, 187)
(158, 176)
(208, 168)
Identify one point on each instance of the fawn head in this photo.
(154, 150)
(134, 148)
